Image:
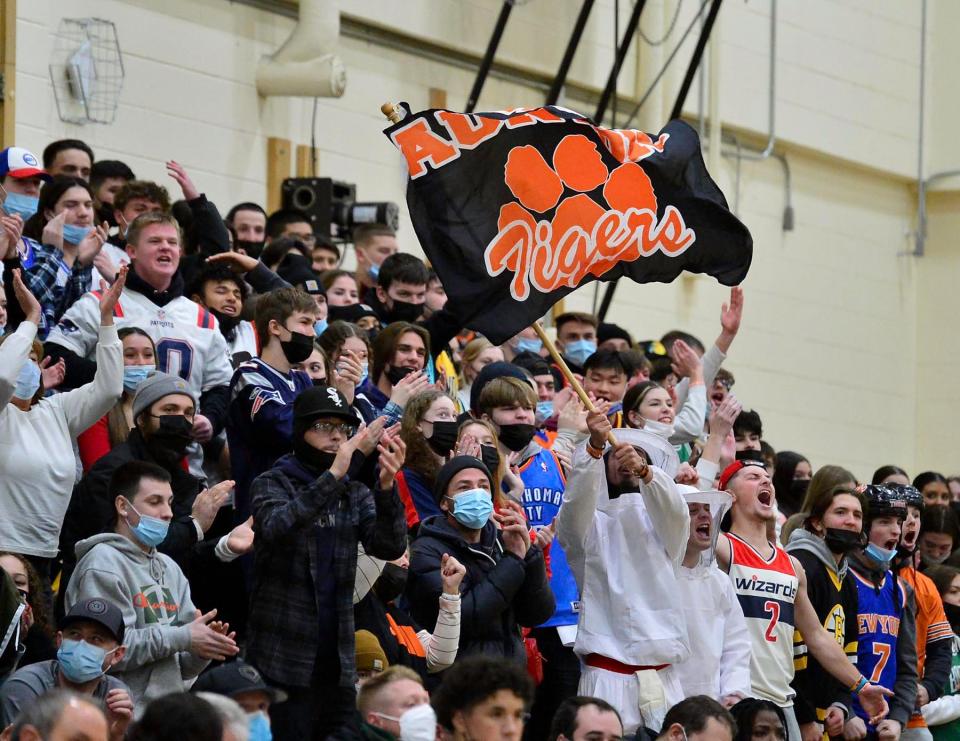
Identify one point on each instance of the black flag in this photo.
(515, 210)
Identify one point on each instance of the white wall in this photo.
(828, 348)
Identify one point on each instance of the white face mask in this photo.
(419, 723)
(660, 429)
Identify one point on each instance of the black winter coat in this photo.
(500, 592)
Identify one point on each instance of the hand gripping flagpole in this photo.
(567, 373)
(395, 114)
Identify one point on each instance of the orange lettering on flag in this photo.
(420, 145)
(469, 131)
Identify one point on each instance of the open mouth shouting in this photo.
(765, 497)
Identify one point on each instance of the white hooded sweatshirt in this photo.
(719, 663)
(625, 554)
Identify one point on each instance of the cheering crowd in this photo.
(248, 494)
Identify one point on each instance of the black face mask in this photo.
(491, 458)
(444, 437)
(395, 375)
(311, 457)
(321, 382)
(298, 348)
(843, 541)
(168, 443)
(404, 311)
(749, 455)
(517, 436)
(251, 248)
(798, 489)
(953, 616)
(228, 324)
(391, 582)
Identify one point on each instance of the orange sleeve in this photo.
(94, 443)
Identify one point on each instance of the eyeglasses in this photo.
(328, 428)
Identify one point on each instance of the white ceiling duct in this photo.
(307, 64)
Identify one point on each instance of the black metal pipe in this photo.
(488, 56)
(695, 59)
(610, 90)
(675, 113)
(561, 78)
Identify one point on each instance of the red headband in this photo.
(733, 469)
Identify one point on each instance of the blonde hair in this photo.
(470, 353)
(371, 687)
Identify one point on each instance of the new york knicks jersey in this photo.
(878, 623)
(766, 589)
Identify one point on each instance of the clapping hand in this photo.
(513, 529)
(392, 453)
(28, 302)
(111, 295)
(208, 642)
(209, 501)
(52, 375)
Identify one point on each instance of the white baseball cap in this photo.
(18, 162)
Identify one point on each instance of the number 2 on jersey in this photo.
(772, 607)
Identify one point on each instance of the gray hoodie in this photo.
(154, 596)
(803, 540)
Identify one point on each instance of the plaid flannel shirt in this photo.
(289, 505)
(54, 284)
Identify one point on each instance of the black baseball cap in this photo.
(236, 677)
(96, 610)
(321, 401)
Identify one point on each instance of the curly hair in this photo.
(41, 617)
(471, 681)
(420, 456)
(745, 712)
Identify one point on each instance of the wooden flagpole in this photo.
(395, 115)
(567, 373)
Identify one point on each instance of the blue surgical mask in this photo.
(472, 508)
(28, 381)
(17, 203)
(260, 726)
(525, 344)
(81, 661)
(134, 375)
(580, 350)
(320, 326)
(75, 234)
(364, 372)
(373, 271)
(882, 555)
(544, 409)
(151, 531)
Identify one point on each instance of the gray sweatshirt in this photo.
(154, 596)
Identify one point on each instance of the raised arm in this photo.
(87, 404)
(828, 652)
(582, 493)
(15, 351)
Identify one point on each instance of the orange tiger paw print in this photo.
(592, 229)
(577, 165)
